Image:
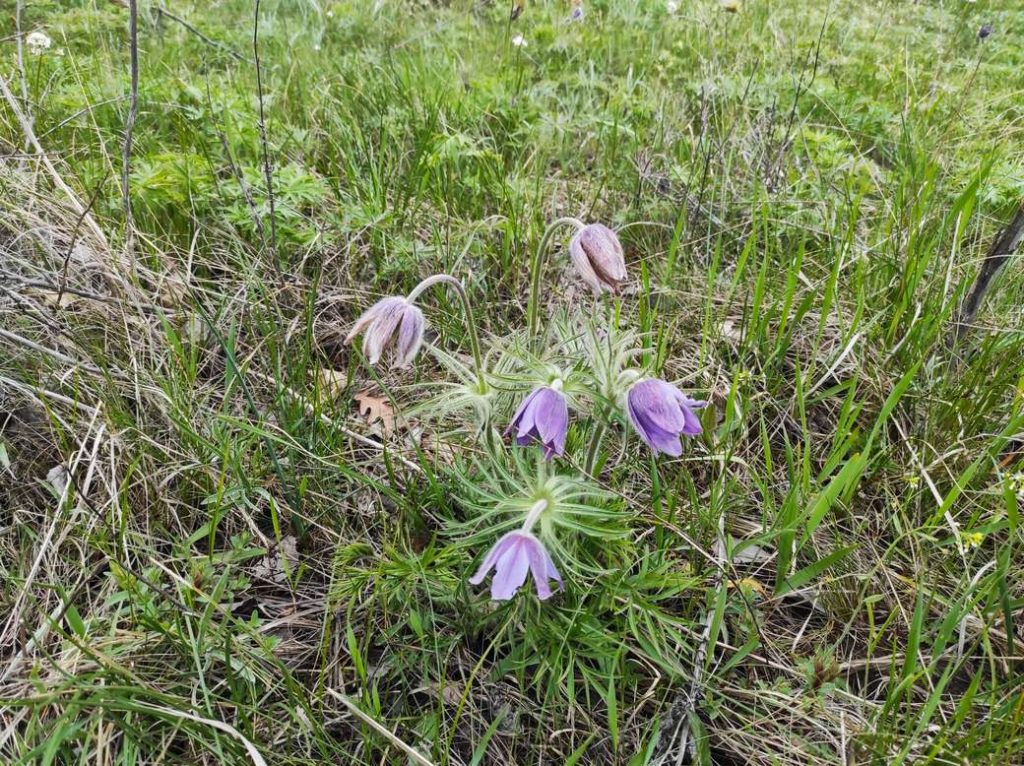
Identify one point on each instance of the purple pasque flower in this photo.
(597, 255)
(543, 416)
(511, 558)
(661, 413)
(379, 325)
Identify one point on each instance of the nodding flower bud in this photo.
(661, 413)
(379, 324)
(597, 254)
(543, 416)
(511, 558)
(515, 555)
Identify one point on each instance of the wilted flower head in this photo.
(597, 254)
(513, 555)
(38, 42)
(730, 5)
(985, 31)
(577, 10)
(544, 416)
(379, 324)
(661, 413)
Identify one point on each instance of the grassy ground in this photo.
(209, 556)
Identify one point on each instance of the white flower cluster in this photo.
(38, 43)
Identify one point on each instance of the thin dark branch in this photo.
(208, 40)
(76, 114)
(237, 173)
(801, 88)
(21, 64)
(268, 172)
(133, 113)
(48, 165)
(1002, 249)
(62, 286)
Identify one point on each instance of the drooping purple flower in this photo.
(661, 413)
(597, 255)
(379, 324)
(511, 558)
(543, 416)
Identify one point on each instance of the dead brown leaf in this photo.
(375, 407)
(53, 299)
(172, 291)
(278, 564)
(732, 330)
(333, 383)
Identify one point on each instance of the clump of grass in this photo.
(208, 556)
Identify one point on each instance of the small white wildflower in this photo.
(730, 5)
(518, 41)
(1017, 483)
(672, 7)
(330, 14)
(38, 43)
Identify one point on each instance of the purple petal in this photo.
(410, 335)
(514, 556)
(657, 438)
(523, 440)
(634, 418)
(663, 441)
(657, 400)
(517, 418)
(692, 426)
(372, 314)
(382, 328)
(549, 569)
(488, 564)
(528, 420)
(538, 568)
(551, 417)
(364, 320)
(648, 412)
(582, 263)
(510, 571)
(604, 251)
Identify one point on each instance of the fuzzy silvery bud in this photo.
(597, 255)
(379, 325)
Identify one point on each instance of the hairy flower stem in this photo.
(535, 270)
(595, 447)
(474, 339)
(535, 511)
